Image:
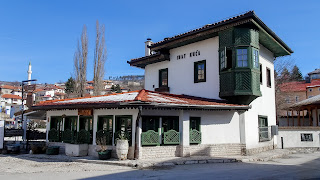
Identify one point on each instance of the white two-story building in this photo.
(208, 92)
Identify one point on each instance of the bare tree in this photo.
(100, 56)
(282, 78)
(80, 64)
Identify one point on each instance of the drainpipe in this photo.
(147, 49)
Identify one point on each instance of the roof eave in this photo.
(249, 17)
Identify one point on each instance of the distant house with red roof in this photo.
(7, 89)
(296, 91)
(10, 99)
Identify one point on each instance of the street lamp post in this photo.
(22, 119)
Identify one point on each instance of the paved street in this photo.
(295, 166)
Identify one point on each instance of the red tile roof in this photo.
(296, 86)
(11, 96)
(89, 87)
(314, 83)
(143, 96)
(9, 87)
(293, 86)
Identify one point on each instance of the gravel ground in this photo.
(22, 164)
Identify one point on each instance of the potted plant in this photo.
(79, 146)
(102, 139)
(122, 147)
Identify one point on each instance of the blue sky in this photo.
(46, 32)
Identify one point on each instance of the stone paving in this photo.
(165, 162)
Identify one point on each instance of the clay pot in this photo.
(122, 149)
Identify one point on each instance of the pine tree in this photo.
(285, 75)
(70, 85)
(295, 74)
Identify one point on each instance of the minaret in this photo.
(29, 73)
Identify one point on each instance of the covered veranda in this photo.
(307, 113)
(148, 119)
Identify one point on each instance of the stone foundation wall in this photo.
(195, 150)
(258, 150)
(216, 149)
(150, 152)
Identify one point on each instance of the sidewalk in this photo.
(164, 162)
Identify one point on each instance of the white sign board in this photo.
(1, 134)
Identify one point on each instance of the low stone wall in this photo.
(195, 150)
(216, 149)
(149, 152)
(258, 150)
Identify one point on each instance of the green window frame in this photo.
(150, 123)
(200, 71)
(56, 122)
(195, 123)
(242, 57)
(223, 60)
(170, 123)
(263, 128)
(163, 77)
(255, 57)
(70, 122)
(105, 123)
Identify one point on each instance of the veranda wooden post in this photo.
(288, 118)
(303, 117)
(299, 116)
(309, 117)
(317, 116)
(292, 116)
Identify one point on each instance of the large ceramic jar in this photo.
(122, 149)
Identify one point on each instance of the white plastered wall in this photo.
(264, 105)
(181, 72)
(292, 138)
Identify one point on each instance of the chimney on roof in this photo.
(147, 49)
